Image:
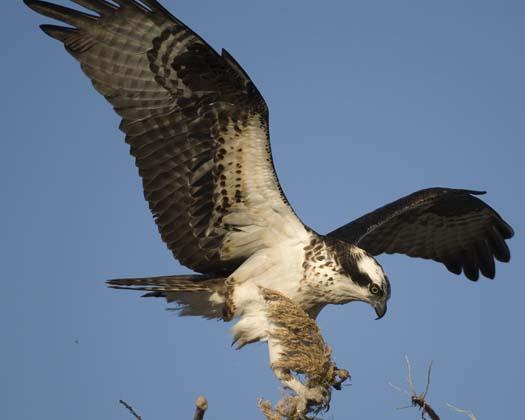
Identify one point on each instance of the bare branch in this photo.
(428, 380)
(418, 400)
(468, 413)
(399, 389)
(130, 409)
(410, 381)
(201, 405)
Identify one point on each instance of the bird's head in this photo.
(365, 279)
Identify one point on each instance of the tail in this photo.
(195, 295)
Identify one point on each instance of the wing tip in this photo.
(504, 258)
(60, 33)
(472, 276)
(58, 12)
(506, 230)
(454, 268)
(32, 4)
(490, 276)
(473, 192)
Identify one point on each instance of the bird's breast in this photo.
(304, 272)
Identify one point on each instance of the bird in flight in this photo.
(199, 132)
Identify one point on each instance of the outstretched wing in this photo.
(446, 225)
(196, 124)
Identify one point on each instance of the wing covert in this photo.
(196, 125)
(446, 225)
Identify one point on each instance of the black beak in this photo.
(380, 310)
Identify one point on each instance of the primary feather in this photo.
(450, 226)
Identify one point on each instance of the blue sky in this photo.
(369, 101)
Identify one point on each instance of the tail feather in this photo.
(196, 295)
(183, 283)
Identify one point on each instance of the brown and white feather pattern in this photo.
(196, 125)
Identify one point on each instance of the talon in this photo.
(340, 376)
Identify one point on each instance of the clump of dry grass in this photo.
(286, 408)
(305, 357)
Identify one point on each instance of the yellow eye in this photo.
(374, 289)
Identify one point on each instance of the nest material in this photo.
(285, 409)
(304, 353)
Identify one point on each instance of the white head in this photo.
(363, 278)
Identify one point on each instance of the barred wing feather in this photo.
(196, 125)
(446, 225)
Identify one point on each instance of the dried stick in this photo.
(467, 413)
(201, 405)
(130, 408)
(418, 400)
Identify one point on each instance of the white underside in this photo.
(277, 268)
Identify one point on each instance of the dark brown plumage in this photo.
(446, 225)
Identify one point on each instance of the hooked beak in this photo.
(380, 310)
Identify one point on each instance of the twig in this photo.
(428, 379)
(201, 405)
(425, 407)
(410, 381)
(468, 413)
(418, 400)
(130, 408)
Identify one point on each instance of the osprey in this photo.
(198, 129)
